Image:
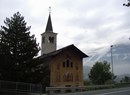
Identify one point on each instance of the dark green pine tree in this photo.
(17, 49)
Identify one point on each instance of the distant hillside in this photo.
(86, 70)
(121, 57)
(120, 77)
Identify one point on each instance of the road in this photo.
(116, 91)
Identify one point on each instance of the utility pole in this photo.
(112, 57)
(112, 62)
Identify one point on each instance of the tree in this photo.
(17, 49)
(126, 79)
(128, 4)
(100, 73)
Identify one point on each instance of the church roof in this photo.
(70, 47)
(49, 25)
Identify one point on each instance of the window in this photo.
(64, 77)
(63, 64)
(51, 39)
(68, 63)
(71, 77)
(68, 77)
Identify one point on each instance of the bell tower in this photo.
(48, 38)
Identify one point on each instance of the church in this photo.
(65, 64)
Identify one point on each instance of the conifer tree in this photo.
(17, 48)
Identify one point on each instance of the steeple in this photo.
(48, 38)
(49, 23)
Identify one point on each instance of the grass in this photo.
(98, 87)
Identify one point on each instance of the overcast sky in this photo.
(89, 24)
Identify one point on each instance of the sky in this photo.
(91, 25)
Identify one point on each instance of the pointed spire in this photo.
(49, 23)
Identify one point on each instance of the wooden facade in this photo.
(65, 66)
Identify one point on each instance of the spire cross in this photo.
(49, 10)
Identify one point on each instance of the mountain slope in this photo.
(120, 55)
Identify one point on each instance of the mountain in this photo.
(120, 55)
(86, 70)
(120, 77)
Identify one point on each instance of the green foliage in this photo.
(100, 73)
(17, 49)
(39, 73)
(87, 82)
(126, 79)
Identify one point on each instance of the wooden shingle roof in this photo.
(70, 47)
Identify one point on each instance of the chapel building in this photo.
(65, 64)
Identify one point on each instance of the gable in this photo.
(70, 48)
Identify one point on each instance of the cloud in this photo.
(92, 25)
(121, 69)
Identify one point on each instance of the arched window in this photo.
(64, 64)
(51, 39)
(68, 77)
(65, 77)
(67, 63)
